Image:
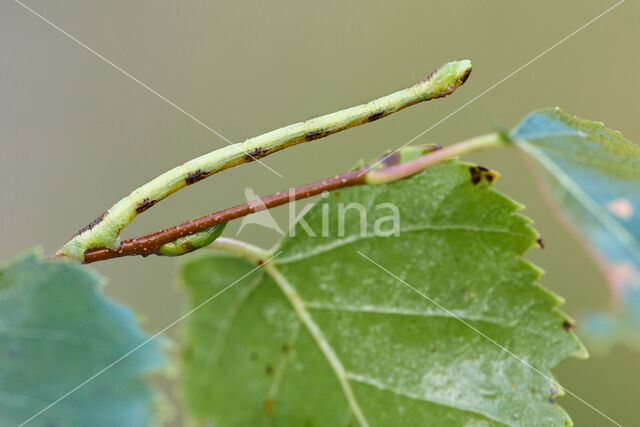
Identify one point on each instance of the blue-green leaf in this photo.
(594, 173)
(56, 331)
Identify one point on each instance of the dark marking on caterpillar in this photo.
(375, 116)
(268, 369)
(465, 76)
(540, 242)
(258, 152)
(310, 136)
(567, 325)
(430, 76)
(92, 224)
(144, 205)
(195, 176)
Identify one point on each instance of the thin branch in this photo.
(105, 230)
(149, 244)
(394, 169)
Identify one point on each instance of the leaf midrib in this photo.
(344, 376)
(598, 212)
(305, 317)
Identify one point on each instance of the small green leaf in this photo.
(594, 173)
(321, 336)
(56, 331)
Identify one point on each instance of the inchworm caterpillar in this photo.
(105, 231)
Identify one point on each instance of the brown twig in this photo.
(149, 244)
(391, 168)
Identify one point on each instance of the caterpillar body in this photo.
(105, 230)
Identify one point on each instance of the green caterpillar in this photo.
(105, 231)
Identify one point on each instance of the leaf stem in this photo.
(149, 244)
(242, 249)
(404, 170)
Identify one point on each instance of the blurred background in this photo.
(76, 135)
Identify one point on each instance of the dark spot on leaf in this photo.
(144, 205)
(195, 177)
(187, 353)
(286, 348)
(567, 325)
(268, 369)
(375, 116)
(540, 242)
(268, 406)
(476, 174)
(336, 194)
(479, 172)
(532, 392)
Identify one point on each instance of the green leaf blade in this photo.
(594, 174)
(362, 347)
(57, 331)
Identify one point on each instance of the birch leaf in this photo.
(322, 336)
(594, 174)
(56, 331)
